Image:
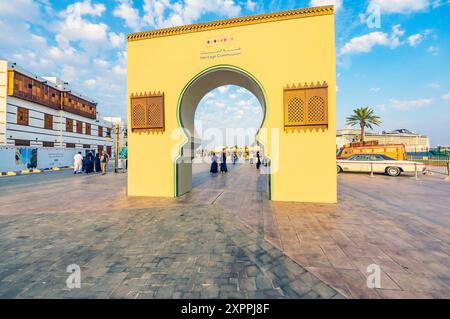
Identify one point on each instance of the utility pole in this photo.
(116, 148)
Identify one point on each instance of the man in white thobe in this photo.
(77, 163)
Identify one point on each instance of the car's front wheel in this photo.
(339, 169)
(393, 171)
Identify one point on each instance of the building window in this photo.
(86, 146)
(48, 121)
(108, 150)
(69, 125)
(21, 143)
(108, 132)
(147, 112)
(100, 131)
(48, 144)
(79, 127)
(22, 116)
(30, 86)
(70, 145)
(100, 149)
(88, 129)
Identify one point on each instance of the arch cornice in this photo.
(235, 22)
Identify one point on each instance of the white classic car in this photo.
(378, 163)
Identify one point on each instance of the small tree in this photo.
(365, 117)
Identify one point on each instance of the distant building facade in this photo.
(413, 142)
(44, 112)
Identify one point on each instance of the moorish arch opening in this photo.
(191, 96)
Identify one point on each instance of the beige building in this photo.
(413, 142)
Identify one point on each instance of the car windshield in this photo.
(371, 157)
(359, 158)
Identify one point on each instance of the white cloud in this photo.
(433, 50)
(121, 66)
(434, 85)
(317, 3)
(250, 5)
(117, 40)
(163, 13)
(366, 42)
(410, 104)
(446, 97)
(219, 104)
(438, 3)
(101, 63)
(129, 14)
(75, 28)
(415, 39)
(248, 102)
(90, 82)
(27, 10)
(401, 6)
(223, 89)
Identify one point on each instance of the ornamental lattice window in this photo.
(306, 106)
(147, 112)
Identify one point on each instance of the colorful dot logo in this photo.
(219, 40)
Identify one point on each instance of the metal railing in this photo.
(434, 163)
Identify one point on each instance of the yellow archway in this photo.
(286, 59)
(194, 91)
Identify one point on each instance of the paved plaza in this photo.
(224, 239)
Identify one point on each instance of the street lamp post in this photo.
(116, 148)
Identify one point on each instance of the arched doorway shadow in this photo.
(190, 97)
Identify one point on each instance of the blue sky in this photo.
(399, 66)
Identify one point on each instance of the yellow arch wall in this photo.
(282, 51)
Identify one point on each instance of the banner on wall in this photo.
(54, 157)
(19, 158)
(123, 152)
(26, 157)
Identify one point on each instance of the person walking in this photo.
(77, 163)
(258, 160)
(223, 163)
(234, 158)
(214, 165)
(104, 161)
(89, 163)
(97, 165)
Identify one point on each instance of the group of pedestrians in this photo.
(215, 165)
(223, 163)
(90, 163)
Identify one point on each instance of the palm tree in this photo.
(365, 118)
